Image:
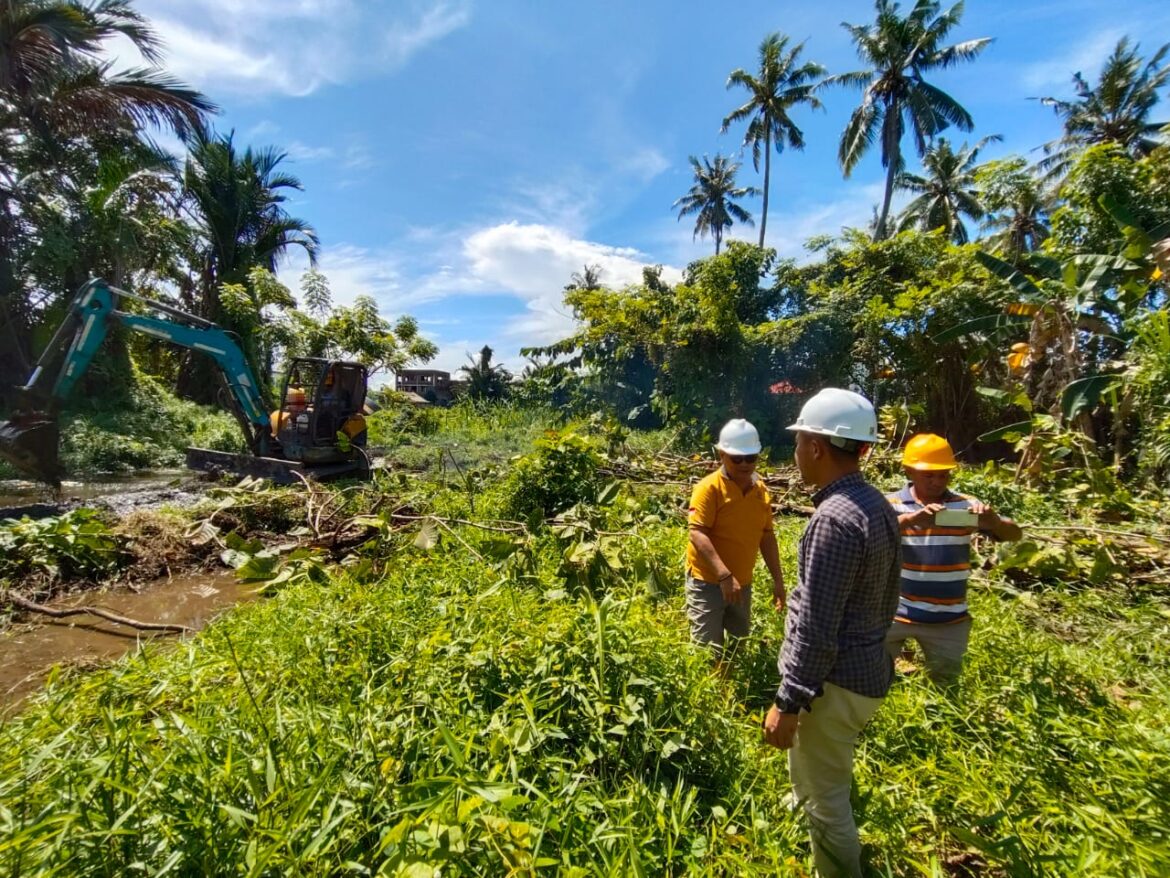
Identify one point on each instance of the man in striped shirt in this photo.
(936, 556)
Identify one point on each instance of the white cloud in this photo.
(302, 152)
(788, 232)
(531, 262)
(352, 272)
(290, 47)
(1056, 72)
(435, 23)
(645, 163)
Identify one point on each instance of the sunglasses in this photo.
(743, 458)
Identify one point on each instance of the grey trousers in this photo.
(710, 615)
(944, 645)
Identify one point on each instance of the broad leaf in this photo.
(1084, 393)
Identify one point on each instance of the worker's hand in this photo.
(988, 518)
(924, 517)
(732, 590)
(780, 728)
(779, 597)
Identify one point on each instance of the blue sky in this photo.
(462, 157)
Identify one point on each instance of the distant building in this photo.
(432, 385)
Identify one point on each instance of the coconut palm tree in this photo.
(235, 203)
(946, 192)
(778, 86)
(1017, 204)
(53, 82)
(1116, 110)
(900, 51)
(712, 198)
(486, 380)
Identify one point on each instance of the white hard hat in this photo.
(838, 413)
(739, 437)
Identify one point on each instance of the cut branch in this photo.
(25, 604)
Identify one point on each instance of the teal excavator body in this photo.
(30, 439)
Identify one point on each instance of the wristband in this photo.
(787, 705)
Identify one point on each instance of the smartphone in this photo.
(956, 518)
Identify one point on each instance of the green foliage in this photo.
(561, 471)
(76, 545)
(151, 432)
(1082, 224)
(484, 699)
(518, 733)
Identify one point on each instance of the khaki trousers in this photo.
(821, 765)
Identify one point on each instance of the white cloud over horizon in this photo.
(527, 261)
(288, 47)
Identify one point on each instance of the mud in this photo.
(29, 651)
(120, 495)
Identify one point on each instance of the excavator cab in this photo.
(321, 401)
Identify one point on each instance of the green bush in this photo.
(76, 545)
(559, 473)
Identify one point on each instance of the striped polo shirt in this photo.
(936, 564)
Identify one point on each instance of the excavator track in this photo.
(276, 470)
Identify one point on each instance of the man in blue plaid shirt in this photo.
(834, 666)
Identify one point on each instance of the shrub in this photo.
(561, 472)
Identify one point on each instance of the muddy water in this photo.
(120, 494)
(29, 651)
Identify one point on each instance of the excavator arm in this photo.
(30, 439)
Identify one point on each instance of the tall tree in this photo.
(712, 198)
(1017, 207)
(946, 191)
(236, 201)
(64, 115)
(900, 51)
(1116, 110)
(778, 86)
(485, 379)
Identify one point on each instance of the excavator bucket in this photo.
(29, 442)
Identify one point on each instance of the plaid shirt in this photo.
(849, 566)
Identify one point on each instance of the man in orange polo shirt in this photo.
(730, 525)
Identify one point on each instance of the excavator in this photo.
(318, 431)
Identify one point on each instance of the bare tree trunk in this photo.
(767, 183)
(880, 233)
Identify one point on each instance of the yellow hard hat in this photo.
(926, 451)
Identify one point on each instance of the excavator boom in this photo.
(30, 439)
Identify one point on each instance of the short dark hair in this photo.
(842, 448)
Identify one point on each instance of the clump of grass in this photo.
(321, 730)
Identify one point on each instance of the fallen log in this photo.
(25, 604)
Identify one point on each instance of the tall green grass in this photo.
(456, 717)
